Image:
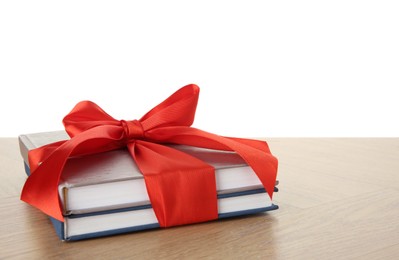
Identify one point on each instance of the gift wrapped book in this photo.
(90, 187)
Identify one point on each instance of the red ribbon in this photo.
(181, 188)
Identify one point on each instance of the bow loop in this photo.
(86, 115)
(177, 110)
(132, 130)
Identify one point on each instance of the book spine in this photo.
(59, 228)
(25, 144)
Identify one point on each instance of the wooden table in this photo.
(338, 198)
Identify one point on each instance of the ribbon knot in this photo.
(133, 129)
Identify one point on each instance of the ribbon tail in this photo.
(182, 189)
(41, 187)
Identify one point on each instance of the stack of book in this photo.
(105, 194)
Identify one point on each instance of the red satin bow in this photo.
(181, 188)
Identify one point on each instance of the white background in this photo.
(265, 68)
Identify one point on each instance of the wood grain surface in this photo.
(338, 198)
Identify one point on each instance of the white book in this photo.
(111, 180)
(92, 225)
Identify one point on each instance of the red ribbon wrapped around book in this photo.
(181, 188)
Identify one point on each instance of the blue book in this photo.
(104, 194)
